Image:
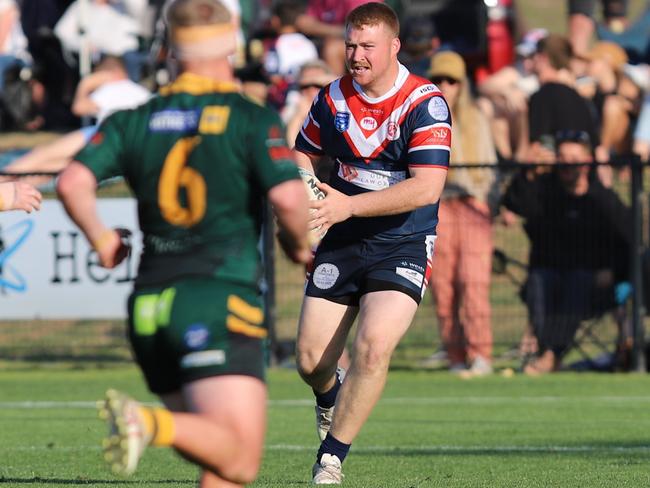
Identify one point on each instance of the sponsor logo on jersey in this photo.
(440, 136)
(368, 123)
(370, 179)
(392, 131)
(413, 276)
(325, 275)
(97, 138)
(196, 336)
(438, 108)
(174, 120)
(374, 111)
(214, 119)
(342, 121)
(277, 145)
(347, 172)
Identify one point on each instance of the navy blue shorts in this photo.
(343, 272)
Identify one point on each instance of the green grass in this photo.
(429, 430)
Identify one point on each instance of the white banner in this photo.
(48, 270)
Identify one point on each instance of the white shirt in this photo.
(118, 95)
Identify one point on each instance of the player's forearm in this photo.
(76, 189)
(405, 196)
(290, 205)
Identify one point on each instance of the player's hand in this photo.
(26, 197)
(18, 195)
(299, 253)
(334, 208)
(113, 247)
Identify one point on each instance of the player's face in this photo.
(370, 51)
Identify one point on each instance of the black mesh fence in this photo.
(609, 326)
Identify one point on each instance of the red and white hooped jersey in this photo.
(374, 142)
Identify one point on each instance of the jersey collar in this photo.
(402, 74)
(197, 85)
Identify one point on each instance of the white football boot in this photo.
(328, 471)
(127, 437)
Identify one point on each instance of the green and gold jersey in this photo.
(199, 158)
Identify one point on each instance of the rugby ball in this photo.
(313, 193)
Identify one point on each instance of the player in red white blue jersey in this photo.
(390, 134)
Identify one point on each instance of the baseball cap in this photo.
(447, 63)
(528, 44)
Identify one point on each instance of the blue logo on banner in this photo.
(342, 121)
(10, 278)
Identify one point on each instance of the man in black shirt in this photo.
(579, 234)
(556, 106)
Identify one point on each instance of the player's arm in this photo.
(290, 205)
(423, 188)
(76, 187)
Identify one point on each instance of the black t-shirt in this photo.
(590, 231)
(555, 107)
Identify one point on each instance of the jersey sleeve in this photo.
(308, 140)
(270, 157)
(104, 152)
(429, 144)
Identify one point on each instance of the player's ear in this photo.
(395, 45)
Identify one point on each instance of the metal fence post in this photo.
(638, 312)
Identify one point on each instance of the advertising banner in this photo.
(48, 270)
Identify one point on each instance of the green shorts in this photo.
(196, 328)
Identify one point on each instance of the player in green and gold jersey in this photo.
(199, 158)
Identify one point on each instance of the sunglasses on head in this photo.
(579, 136)
(437, 80)
(306, 86)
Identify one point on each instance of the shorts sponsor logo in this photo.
(342, 121)
(417, 267)
(413, 276)
(325, 275)
(203, 358)
(368, 123)
(392, 131)
(438, 108)
(196, 336)
(174, 120)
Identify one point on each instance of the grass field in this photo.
(429, 430)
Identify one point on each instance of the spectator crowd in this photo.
(566, 101)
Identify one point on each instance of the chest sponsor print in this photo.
(368, 123)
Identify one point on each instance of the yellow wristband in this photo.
(103, 239)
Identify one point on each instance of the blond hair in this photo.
(192, 13)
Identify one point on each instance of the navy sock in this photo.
(328, 399)
(331, 445)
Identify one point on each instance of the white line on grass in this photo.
(494, 400)
(393, 449)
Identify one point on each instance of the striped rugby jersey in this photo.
(374, 142)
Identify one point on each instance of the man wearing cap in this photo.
(199, 158)
(461, 282)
